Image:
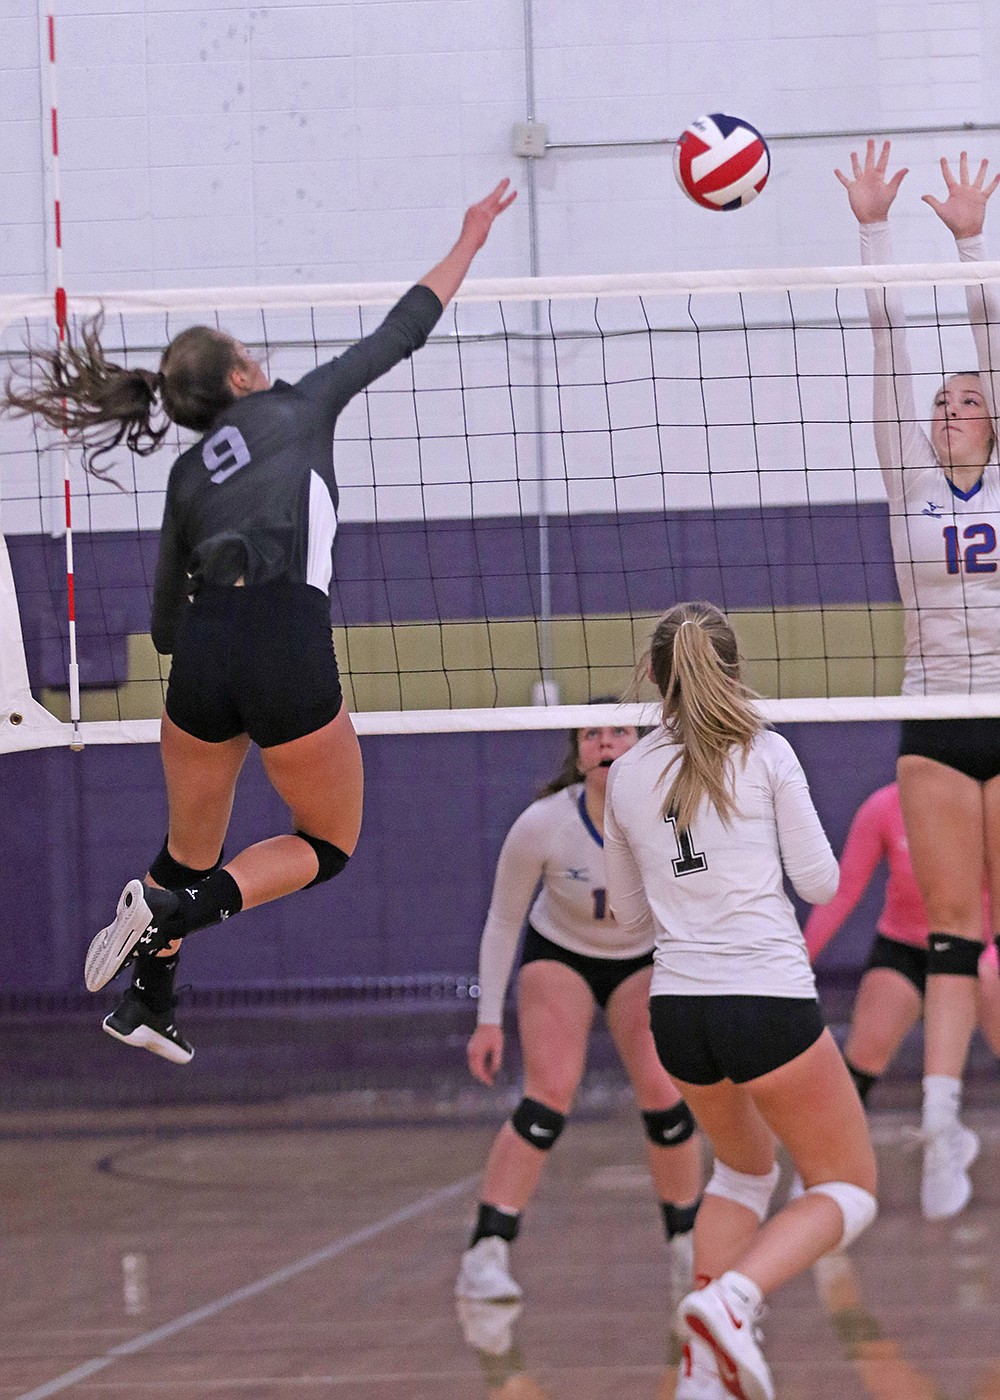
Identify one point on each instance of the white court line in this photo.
(250, 1290)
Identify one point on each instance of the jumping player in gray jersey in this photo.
(241, 602)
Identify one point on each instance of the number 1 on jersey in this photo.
(688, 861)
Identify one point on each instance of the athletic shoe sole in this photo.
(113, 944)
(741, 1380)
(146, 1038)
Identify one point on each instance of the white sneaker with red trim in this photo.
(723, 1317)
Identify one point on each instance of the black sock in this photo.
(493, 1221)
(678, 1220)
(198, 906)
(153, 980)
(863, 1081)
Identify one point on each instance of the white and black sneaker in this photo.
(133, 931)
(134, 1023)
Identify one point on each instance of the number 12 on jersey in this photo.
(984, 541)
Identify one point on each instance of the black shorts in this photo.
(972, 746)
(255, 661)
(602, 975)
(903, 958)
(702, 1040)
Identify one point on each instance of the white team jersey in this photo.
(555, 844)
(713, 897)
(945, 544)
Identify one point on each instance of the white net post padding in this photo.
(702, 434)
(24, 723)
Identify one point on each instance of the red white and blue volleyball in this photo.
(721, 162)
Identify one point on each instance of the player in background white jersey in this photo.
(944, 504)
(704, 818)
(574, 959)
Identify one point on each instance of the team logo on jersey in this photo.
(931, 508)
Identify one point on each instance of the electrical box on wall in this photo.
(530, 139)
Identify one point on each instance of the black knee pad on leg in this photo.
(537, 1124)
(669, 1127)
(173, 876)
(331, 858)
(951, 956)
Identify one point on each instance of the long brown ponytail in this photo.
(694, 659)
(100, 405)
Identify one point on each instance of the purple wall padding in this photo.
(415, 571)
(74, 827)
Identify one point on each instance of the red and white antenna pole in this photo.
(76, 740)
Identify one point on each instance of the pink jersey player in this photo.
(890, 997)
(877, 833)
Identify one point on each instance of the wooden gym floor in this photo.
(308, 1248)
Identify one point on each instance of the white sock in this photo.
(942, 1101)
(743, 1290)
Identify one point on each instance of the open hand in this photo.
(479, 217)
(870, 193)
(485, 1053)
(964, 210)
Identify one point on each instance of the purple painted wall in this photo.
(74, 827)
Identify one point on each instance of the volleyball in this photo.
(721, 162)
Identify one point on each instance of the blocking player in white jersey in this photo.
(574, 959)
(944, 503)
(704, 818)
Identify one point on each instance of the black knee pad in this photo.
(537, 1124)
(669, 1127)
(331, 858)
(173, 876)
(951, 956)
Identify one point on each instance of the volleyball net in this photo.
(563, 460)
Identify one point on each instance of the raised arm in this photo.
(963, 212)
(519, 871)
(863, 849)
(898, 438)
(448, 275)
(411, 320)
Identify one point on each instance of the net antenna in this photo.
(565, 459)
(59, 299)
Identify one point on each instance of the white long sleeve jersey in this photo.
(713, 897)
(552, 843)
(945, 543)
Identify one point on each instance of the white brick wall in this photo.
(288, 141)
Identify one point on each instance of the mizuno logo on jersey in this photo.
(576, 873)
(931, 508)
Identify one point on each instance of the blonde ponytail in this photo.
(694, 660)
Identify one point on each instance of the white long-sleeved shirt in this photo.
(552, 843)
(945, 543)
(713, 897)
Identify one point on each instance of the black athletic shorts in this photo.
(970, 745)
(903, 958)
(702, 1040)
(257, 661)
(602, 975)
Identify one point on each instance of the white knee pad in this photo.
(754, 1192)
(858, 1207)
